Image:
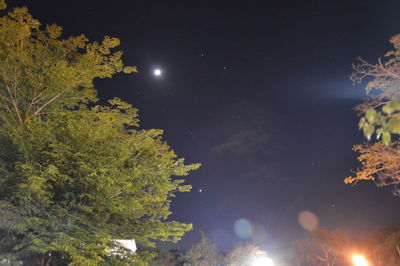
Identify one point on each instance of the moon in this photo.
(157, 72)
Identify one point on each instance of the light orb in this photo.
(157, 72)
(262, 261)
(359, 260)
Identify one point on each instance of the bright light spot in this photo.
(262, 261)
(157, 72)
(360, 260)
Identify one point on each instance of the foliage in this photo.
(203, 253)
(167, 258)
(388, 252)
(381, 111)
(380, 116)
(303, 252)
(384, 75)
(380, 163)
(74, 175)
(383, 246)
(321, 247)
(384, 121)
(243, 255)
(41, 72)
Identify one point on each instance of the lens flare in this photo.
(359, 260)
(242, 228)
(308, 220)
(262, 261)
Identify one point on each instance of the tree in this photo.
(384, 246)
(380, 163)
(321, 247)
(384, 77)
(381, 109)
(243, 255)
(203, 253)
(167, 258)
(383, 90)
(303, 252)
(75, 175)
(380, 115)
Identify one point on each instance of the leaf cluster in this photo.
(74, 176)
(42, 72)
(379, 163)
(384, 121)
(380, 117)
(85, 177)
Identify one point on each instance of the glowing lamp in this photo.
(262, 261)
(359, 260)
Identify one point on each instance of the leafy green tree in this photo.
(74, 176)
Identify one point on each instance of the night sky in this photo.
(256, 91)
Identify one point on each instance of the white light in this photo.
(359, 260)
(262, 261)
(128, 244)
(157, 72)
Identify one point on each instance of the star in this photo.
(200, 190)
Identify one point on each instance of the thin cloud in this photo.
(245, 142)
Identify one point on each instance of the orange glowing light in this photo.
(360, 260)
